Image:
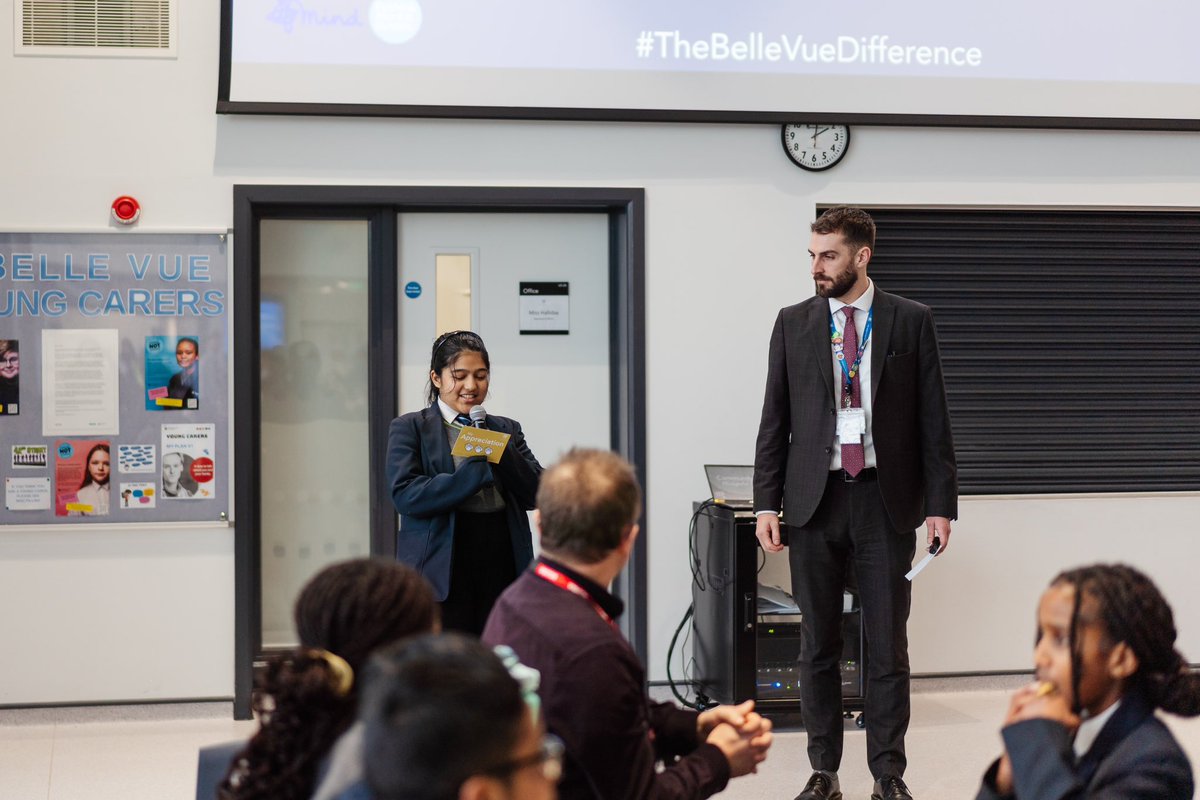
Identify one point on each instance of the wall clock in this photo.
(815, 146)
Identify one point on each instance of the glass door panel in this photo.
(314, 454)
(453, 292)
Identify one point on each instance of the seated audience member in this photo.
(561, 620)
(306, 701)
(443, 719)
(1105, 659)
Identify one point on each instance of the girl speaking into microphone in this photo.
(463, 522)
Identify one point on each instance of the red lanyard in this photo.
(548, 573)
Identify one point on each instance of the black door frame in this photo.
(380, 206)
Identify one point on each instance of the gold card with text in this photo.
(481, 442)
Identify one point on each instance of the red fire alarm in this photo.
(126, 210)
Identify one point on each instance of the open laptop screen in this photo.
(730, 483)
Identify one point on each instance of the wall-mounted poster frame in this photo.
(118, 405)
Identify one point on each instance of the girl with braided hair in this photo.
(308, 699)
(1105, 659)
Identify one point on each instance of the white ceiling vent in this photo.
(128, 28)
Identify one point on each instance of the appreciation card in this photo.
(480, 442)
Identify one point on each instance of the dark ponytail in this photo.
(302, 712)
(307, 699)
(1178, 690)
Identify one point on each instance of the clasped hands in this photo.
(740, 732)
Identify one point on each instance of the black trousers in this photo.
(482, 567)
(851, 528)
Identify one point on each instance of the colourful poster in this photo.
(138, 495)
(30, 456)
(134, 458)
(10, 377)
(172, 373)
(81, 472)
(188, 465)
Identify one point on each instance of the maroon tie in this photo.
(853, 459)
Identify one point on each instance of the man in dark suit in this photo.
(855, 448)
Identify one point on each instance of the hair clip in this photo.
(343, 673)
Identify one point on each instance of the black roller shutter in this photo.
(1070, 342)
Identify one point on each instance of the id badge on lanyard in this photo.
(851, 425)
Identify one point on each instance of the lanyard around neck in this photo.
(551, 575)
(836, 338)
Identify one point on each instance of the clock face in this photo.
(816, 147)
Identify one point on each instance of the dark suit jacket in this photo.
(1134, 756)
(426, 490)
(910, 423)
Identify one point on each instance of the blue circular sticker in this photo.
(412, 289)
(65, 450)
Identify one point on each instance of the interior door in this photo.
(556, 384)
(337, 307)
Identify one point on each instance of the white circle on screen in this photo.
(395, 21)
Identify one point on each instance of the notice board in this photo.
(114, 378)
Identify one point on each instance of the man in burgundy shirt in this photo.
(561, 620)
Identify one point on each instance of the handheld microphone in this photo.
(478, 415)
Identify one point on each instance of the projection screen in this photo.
(1062, 63)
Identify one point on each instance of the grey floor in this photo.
(149, 752)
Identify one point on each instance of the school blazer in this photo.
(426, 490)
(1135, 756)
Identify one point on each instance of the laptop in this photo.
(731, 484)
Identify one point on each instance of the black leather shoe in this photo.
(891, 787)
(819, 787)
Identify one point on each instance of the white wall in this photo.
(556, 384)
(725, 233)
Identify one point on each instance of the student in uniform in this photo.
(1105, 660)
(463, 521)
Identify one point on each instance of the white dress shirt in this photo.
(861, 308)
(1090, 728)
(448, 413)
